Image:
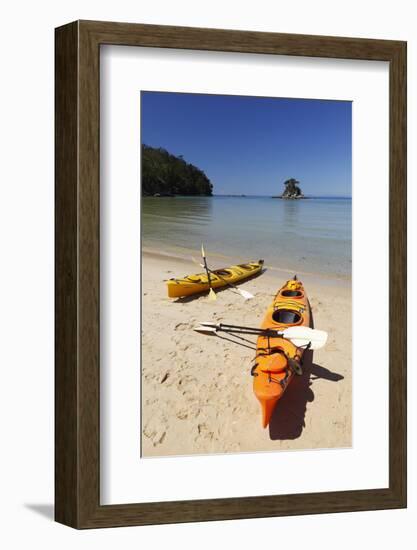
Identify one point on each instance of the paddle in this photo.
(212, 294)
(244, 293)
(299, 336)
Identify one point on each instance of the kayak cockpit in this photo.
(223, 273)
(292, 293)
(287, 317)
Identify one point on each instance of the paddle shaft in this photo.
(248, 330)
(254, 329)
(206, 268)
(300, 336)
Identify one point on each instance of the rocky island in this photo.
(292, 190)
(167, 175)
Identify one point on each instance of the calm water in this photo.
(311, 235)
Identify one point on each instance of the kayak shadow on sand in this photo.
(287, 420)
(193, 297)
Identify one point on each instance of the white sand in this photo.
(197, 393)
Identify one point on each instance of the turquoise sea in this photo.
(305, 236)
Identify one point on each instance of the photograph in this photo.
(246, 271)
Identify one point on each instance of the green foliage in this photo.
(166, 174)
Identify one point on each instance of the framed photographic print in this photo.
(230, 274)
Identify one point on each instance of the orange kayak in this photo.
(277, 359)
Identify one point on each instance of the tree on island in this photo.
(164, 174)
(292, 190)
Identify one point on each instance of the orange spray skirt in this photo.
(272, 371)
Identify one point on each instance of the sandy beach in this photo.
(196, 390)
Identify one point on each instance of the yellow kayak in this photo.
(193, 284)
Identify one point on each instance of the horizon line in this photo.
(251, 195)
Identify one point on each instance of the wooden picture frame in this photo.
(77, 404)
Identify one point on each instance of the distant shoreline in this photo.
(245, 196)
(280, 197)
(289, 198)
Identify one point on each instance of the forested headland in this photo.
(164, 174)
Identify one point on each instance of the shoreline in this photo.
(196, 390)
(219, 260)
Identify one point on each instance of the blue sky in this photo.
(251, 145)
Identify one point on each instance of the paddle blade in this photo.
(247, 295)
(202, 251)
(205, 330)
(212, 295)
(301, 336)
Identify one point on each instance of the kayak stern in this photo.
(267, 408)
